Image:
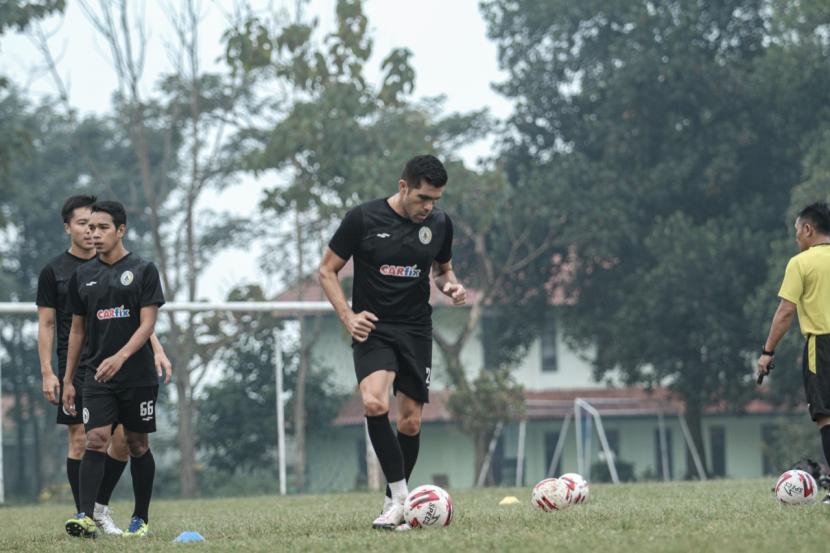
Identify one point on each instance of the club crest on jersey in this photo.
(425, 235)
(113, 313)
(127, 278)
(411, 271)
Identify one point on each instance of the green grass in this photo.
(722, 516)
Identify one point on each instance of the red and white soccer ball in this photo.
(578, 487)
(551, 494)
(428, 507)
(796, 487)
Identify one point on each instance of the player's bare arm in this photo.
(781, 322)
(446, 281)
(77, 337)
(160, 359)
(45, 341)
(360, 324)
(111, 365)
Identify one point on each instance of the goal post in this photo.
(587, 416)
(278, 308)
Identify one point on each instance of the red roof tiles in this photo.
(556, 404)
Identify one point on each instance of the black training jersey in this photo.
(392, 259)
(52, 286)
(111, 298)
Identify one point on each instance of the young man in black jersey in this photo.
(395, 243)
(115, 299)
(54, 317)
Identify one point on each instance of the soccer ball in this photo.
(796, 487)
(551, 494)
(428, 507)
(578, 486)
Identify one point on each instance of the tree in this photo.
(672, 134)
(246, 394)
(341, 142)
(318, 133)
(17, 15)
(178, 138)
(785, 385)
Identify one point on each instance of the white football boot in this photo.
(387, 504)
(103, 520)
(391, 517)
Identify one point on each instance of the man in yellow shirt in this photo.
(806, 289)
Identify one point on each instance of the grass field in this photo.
(722, 516)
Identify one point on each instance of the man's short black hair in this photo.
(424, 168)
(74, 202)
(115, 209)
(818, 215)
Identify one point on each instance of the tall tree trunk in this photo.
(481, 444)
(451, 352)
(31, 392)
(299, 411)
(19, 421)
(37, 449)
(184, 402)
(187, 472)
(302, 369)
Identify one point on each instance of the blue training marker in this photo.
(188, 537)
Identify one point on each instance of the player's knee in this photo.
(138, 444)
(374, 406)
(118, 448)
(96, 440)
(409, 424)
(77, 443)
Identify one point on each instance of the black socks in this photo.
(409, 448)
(92, 472)
(143, 471)
(112, 473)
(825, 442)
(386, 447)
(73, 474)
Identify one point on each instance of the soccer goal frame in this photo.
(587, 413)
(279, 308)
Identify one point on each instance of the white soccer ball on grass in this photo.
(551, 494)
(578, 486)
(796, 487)
(428, 507)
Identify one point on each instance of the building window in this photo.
(551, 439)
(548, 343)
(717, 445)
(768, 432)
(658, 454)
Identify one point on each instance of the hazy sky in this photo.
(451, 56)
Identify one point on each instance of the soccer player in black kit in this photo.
(115, 299)
(54, 320)
(395, 242)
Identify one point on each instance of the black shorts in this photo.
(815, 368)
(64, 417)
(134, 408)
(405, 350)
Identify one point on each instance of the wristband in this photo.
(769, 353)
